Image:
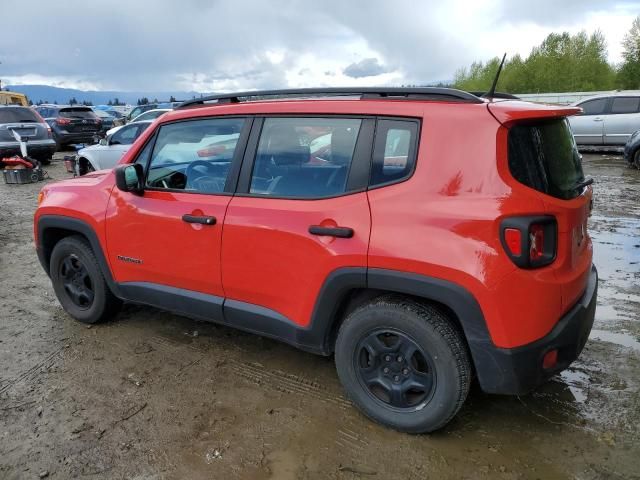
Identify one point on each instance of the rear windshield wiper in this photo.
(584, 183)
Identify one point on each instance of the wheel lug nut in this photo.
(385, 370)
(399, 358)
(396, 378)
(387, 358)
(405, 371)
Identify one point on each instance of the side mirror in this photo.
(130, 178)
(103, 142)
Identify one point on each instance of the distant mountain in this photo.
(47, 94)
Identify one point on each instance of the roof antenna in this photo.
(492, 91)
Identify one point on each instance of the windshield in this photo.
(543, 155)
(18, 115)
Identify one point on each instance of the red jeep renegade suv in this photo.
(422, 236)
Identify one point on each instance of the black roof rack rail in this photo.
(501, 95)
(419, 93)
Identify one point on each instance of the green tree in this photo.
(562, 62)
(629, 72)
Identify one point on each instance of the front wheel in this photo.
(636, 159)
(403, 364)
(78, 282)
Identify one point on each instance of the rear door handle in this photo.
(340, 232)
(201, 219)
(598, 119)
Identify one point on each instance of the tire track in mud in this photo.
(257, 374)
(351, 440)
(32, 372)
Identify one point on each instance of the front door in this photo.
(171, 235)
(300, 213)
(588, 128)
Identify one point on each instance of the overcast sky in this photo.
(218, 45)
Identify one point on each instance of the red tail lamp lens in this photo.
(513, 239)
(63, 121)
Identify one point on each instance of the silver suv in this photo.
(607, 119)
(31, 127)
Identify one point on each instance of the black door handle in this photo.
(201, 219)
(340, 232)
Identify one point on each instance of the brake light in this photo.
(63, 121)
(530, 242)
(513, 239)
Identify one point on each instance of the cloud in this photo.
(368, 67)
(247, 44)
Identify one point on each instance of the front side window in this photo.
(394, 152)
(625, 105)
(194, 156)
(594, 107)
(304, 157)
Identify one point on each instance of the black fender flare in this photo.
(454, 296)
(59, 222)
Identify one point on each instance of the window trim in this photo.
(413, 151)
(238, 154)
(359, 174)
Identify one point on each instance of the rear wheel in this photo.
(636, 159)
(404, 364)
(78, 282)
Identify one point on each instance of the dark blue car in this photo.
(632, 150)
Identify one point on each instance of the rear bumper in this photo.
(35, 148)
(80, 137)
(516, 371)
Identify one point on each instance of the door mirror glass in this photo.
(103, 142)
(130, 178)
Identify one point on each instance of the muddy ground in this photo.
(156, 396)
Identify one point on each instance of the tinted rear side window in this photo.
(625, 105)
(594, 107)
(18, 115)
(77, 113)
(543, 156)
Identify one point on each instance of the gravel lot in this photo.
(156, 396)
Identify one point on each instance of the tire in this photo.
(636, 159)
(78, 282)
(440, 370)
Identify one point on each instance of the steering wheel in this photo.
(203, 181)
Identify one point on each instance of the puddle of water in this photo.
(619, 338)
(575, 380)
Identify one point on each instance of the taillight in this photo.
(530, 242)
(63, 121)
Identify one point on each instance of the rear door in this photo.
(300, 213)
(543, 156)
(588, 128)
(622, 120)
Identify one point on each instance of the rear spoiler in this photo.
(508, 112)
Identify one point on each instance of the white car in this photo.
(148, 115)
(110, 150)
